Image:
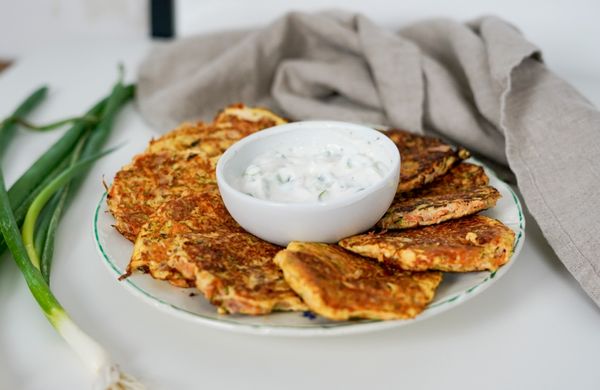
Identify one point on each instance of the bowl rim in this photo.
(392, 175)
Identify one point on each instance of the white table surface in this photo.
(534, 329)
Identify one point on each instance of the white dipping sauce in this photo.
(311, 173)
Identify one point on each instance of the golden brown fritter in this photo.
(423, 158)
(473, 243)
(247, 119)
(185, 136)
(152, 179)
(198, 213)
(339, 285)
(193, 241)
(234, 271)
(462, 191)
(229, 126)
(463, 175)
(180, 162)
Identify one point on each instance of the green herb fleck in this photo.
(322, 194)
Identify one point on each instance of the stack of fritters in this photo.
(167, 201)
(193, 241)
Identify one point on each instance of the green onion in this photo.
(108, 375)
(120, 95)
(54, 205)
(46, 253)
(322, 194)
(44, 169)
(44, 223)
(8, 127)
(46, 230)
(28, 186)
(40, 169)
(87, 148)
(21, 210)
(54, 125)
(44, 196)
(21, 194)
(48, 180)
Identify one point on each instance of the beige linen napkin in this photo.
(479, 84)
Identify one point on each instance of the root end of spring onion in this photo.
(118, 380)
(107, 374)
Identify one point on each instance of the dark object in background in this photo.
(4, 64)
(162, 18)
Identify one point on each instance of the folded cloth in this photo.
(479, 84)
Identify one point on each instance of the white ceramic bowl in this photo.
(327, 221)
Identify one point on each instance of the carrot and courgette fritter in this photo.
(463, 191)
(474, 243)
(423, 158)
(341, 285)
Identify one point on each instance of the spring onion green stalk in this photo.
(46, 253)
(45, 231)
(54, 125)
(108, 375)
(25, 189)
(45, 164)
(120, 95)
(44, 223)
(44, 196)
(21, 210)
(45, 168)
(8, 127)
(47, 216)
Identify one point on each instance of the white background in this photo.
(566, 30)
(534, 329)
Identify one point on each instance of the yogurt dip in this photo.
(313, 181)
(313, 173)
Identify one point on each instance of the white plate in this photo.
(455, 289)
